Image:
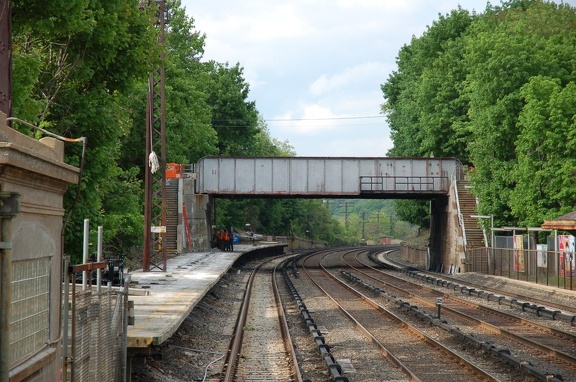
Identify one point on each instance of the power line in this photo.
(303, 126)
(322, 119)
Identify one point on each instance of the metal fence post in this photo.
(65, 311)
(125, 308)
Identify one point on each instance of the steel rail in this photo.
(288, 344)
(543, 348)
(232, 358)
(501, 353)
(397, 319)
(533, 299)
(234, 349)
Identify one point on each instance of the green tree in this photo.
(74, 62)
(423, 101)
(490, 89)
(506, 49)
(234, 118)
(189, 134)
(545, 173)
(264, 144)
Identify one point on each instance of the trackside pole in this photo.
(85, 252)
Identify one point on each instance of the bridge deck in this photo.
(172, 295)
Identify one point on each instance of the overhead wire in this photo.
(322, 119)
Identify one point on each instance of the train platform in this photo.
(501, 283)
(163, 299)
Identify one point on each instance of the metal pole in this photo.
(492, 259)
(5, 301)
(85, 252)
(124, 347)
(439, 306)
(557, 256)
(73, 342)
(155, 203)
(99, 259)
(65, 321)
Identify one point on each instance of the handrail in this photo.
(406, 184)
(460, 216)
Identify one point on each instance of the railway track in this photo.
(262, 349)
(535, 343)
(558, 301)
(403, 345)
(335, 316)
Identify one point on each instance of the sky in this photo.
(315, 67)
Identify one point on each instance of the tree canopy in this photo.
(493, 90)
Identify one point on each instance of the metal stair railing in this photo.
(460, 216)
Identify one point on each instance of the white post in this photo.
(557, 270)
(99, 259)
(85, 252)
(492, 244)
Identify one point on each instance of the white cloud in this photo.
(381, 5)
(308, 120)
(318, 61)
(279, 23)
(350, 76)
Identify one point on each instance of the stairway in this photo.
(472, 230)
(476, 256)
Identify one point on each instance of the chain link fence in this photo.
(96, 323)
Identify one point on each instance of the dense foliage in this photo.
(81, 69)
(495, 90)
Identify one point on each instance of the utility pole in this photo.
(155, 254)
(363, 222)
(5, 58)
(346, 204)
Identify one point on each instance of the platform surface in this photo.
(171, 295)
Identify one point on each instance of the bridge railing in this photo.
(407, 184)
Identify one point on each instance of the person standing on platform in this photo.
(231, 242)
(226, 240)
(221, 240)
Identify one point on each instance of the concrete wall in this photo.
(455, 243)
(446, 243)
(35, 170)
(197, 207)
(450, 233)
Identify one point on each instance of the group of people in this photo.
(223, 239)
